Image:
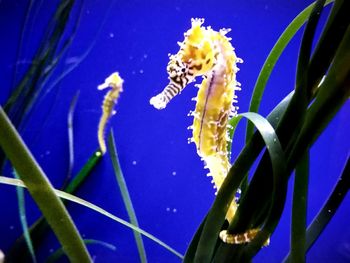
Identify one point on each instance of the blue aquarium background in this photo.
(165, 177)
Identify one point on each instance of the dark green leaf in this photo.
(298, 231)
(272, 59)
(227, 191)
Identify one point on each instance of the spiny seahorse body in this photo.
(208, 53)
(115, 82)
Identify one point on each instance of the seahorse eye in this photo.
(176, 68)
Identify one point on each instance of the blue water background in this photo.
(166, 179)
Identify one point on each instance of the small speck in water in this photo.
(134, 162)
(111, 35)
(167, 209)
(173, 173)
(174, 210)
(12, 227)
(141, 71)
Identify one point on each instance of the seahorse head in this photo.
(114, 81)
(196, 57)
(198, 48)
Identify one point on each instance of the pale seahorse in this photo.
(208, 53)
(115, 83)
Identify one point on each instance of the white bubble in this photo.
(167, 209)
(174, 210)
(111, 35)
(134, 162)
(173, 173)
(141, 71)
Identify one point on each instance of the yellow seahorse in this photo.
(208, 53)
(115, 82)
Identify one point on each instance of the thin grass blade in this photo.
(299, 209)
(70, 129)
(125, 195)
(59, 253)
(84, 172)
(332, 35)
(72, 198)
(23, 219)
